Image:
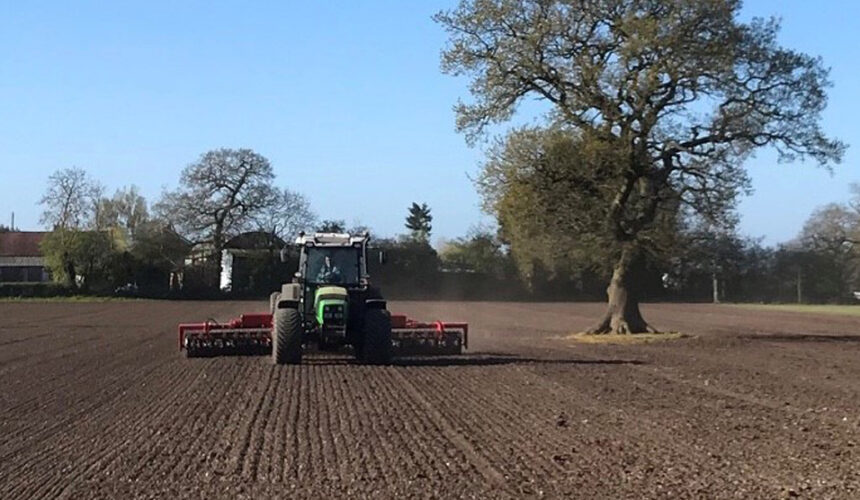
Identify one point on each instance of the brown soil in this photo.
(95, 401)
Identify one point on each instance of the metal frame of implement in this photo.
(247, 334)
(252, 334)
(411, 337)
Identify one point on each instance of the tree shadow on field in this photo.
(472, 359)
(801, 338)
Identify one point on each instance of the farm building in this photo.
(246, 261)
(21, 259)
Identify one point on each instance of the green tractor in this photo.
(330, 303)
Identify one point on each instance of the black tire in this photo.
(375, 347)
(287, 337)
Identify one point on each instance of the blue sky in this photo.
(345, 98)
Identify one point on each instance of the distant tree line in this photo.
(98, 243)
(101, 242)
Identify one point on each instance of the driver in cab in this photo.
(329, 273)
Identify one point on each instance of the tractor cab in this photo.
(333, 259)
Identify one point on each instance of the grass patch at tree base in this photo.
(844, 309)
(626, 339)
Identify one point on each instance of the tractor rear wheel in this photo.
(375, 348)
(287, 337)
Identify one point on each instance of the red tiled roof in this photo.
(21, 243)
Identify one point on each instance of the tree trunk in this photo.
(218, 246)
(69, 265)
(715, 288)
(799, 287)
(622, 314)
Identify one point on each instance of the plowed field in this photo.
(95, 402)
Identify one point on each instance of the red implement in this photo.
(411, 337)
(247, 334)
(252, 334)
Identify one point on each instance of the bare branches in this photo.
(71, 201)
(287, 216)
(220, 194)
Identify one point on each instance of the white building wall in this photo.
(226, 271)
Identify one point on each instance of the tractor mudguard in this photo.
(289, 298)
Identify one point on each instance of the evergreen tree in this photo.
(418, 221)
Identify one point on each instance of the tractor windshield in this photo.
(334, 266)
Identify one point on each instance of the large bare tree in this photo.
(219, 195)
(681, 91)
(70, 200)
(70, 205)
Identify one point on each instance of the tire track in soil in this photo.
(289, 438)
(267, 467)
(490, 473)
(351, 463)
(226, 457)
(194, 432)
(424, 443)
(195, 439)
(395, 433)
(248, 458)
(367, 460)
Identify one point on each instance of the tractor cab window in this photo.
(333, 266)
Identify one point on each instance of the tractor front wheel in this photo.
(287, 337)
(375, 348)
